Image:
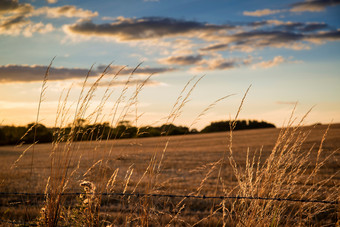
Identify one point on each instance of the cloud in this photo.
(15, 17)
(305, 6)
(262, 12)
(218, 63)
(14, 7)
(16, 25)
(271, 63)
(302, 27)
(26, 73)
(65, 11)
(246, 38)
(123, 70)
(51, 1)
(258, 39)
(120, 83)
(13, 22)
(127, 29)
(38, 27)
(215, 47)
(324, 36)
(313, 5)
(296, 40)
(182, 60)
(289, 25)
(327, 35)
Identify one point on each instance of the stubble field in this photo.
(197, 165)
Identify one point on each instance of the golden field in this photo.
(210, 164)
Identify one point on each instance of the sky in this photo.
(288, 51)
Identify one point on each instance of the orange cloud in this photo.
(65, 11)
(271, 63)
(313, 5)
(260, 13)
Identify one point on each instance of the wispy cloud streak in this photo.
(26, 73)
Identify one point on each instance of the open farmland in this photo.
(180, 165)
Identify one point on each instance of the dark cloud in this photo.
(266, 37)
(329, 35)
(216, 64)
(149, 70)
(302, 27)
(13, 6)
(182, 60)
(215, 47)
(119, 83)
(249, 41)
(11, 22)
(224, 65)
(313, 5)
(140, 70)
(274, 33)
(145, 28)
(260, 23)
(289, 26)
(258, 34)
(25, 73)
(6, 5)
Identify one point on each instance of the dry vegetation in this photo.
(295, 162)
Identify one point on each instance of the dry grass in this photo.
(293, 162)
(188, 160)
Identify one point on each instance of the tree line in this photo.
(82, 131)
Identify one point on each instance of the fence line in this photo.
(178, 196)
(18, 223)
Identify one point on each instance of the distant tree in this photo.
(11, 134)
(2, 137)
(219, 126)
(124, 130)
(170, 129)
(149, 131)
(222, 126)
(42, 134)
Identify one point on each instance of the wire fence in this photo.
(13, 200)
(176, 196)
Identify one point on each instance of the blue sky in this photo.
(287, 50)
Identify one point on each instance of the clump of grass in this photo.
(65, 152)
(286, 173)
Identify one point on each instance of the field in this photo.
(210, 164)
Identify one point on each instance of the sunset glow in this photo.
(289, 52)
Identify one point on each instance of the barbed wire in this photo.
(18, 223)
(177, 196)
